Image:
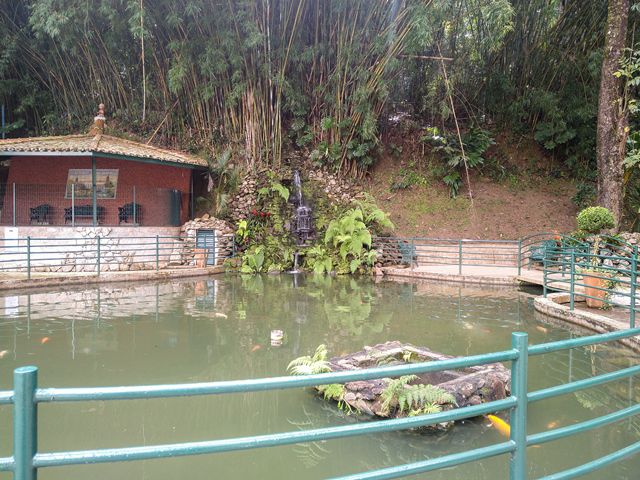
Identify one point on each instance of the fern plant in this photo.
(424, 399)
(275, 187)
(414, 399)
(393, 390)
(310, 365)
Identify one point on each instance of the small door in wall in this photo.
(206, 247)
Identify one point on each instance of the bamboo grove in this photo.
(269, 76)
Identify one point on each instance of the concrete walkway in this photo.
(13, 281)
(487, 275)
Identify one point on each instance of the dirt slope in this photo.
(511, 209)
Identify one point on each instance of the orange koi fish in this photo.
(44, 340)
(503, 427)
(255, 348)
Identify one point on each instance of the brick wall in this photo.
(42, 180)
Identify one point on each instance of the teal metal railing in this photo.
(604, 274)
(26, 396)
(450, 252)
(97, 254)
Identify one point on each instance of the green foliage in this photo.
(352, 239)
(406, 178)
(393, 390)
(242, 231)
(595, 219)
(476, 142)
(226, 179)
(311, 365)
(319, 260)
(422, 399)
(253, 260)
(585, 195)
(275, 187)
(414, 399)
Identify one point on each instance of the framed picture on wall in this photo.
(79, 183)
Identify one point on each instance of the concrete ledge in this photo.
(555, 305)
(15, 282)
(507, 280)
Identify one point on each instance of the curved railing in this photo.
(26, 395)
(604, 276)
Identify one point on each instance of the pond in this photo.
(219, 329)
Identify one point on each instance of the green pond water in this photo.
(219, 329)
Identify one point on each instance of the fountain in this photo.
(303, 221)
(303, 226)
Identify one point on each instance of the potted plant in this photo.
(596, 284)
(596, 278)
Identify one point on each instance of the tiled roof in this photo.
(97, 144)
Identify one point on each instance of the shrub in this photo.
(595, 219)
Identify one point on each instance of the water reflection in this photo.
(223, 327)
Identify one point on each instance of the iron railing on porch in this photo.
(72, 205)
(26, 396)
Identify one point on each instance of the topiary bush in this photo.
(595, 219)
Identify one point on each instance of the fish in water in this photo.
(503, 427)
(3, 353)
(255, 348)
(553, 424)
(44, 340)
(220, 315)
(542, 329)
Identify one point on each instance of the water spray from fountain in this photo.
(303, 225)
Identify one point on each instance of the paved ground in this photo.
(13, 280)
(470, 274)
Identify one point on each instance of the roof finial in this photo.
(98, 121)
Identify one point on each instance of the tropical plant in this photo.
(319, 260)
(351, 237)
(226, 178)
(275, 187)
(414, 399)
(253, 260)
(310, 365)
(393, 390)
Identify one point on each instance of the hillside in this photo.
(523, 202)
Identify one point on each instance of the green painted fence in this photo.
(27, 395)
(603, 274)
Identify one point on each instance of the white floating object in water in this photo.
(276, 338)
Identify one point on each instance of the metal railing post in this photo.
(572, 273)
(73, 204)
(98, 253)
(519, 256)
(460, 257)
(25, 422)
(14, 204)
(29, 258)
(135, 221)
(519, 368)
(634, 280)
(157, 252)
(544, 277)
(414, 256)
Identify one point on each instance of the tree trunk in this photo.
(612, 116)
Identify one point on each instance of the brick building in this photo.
(96, 179)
